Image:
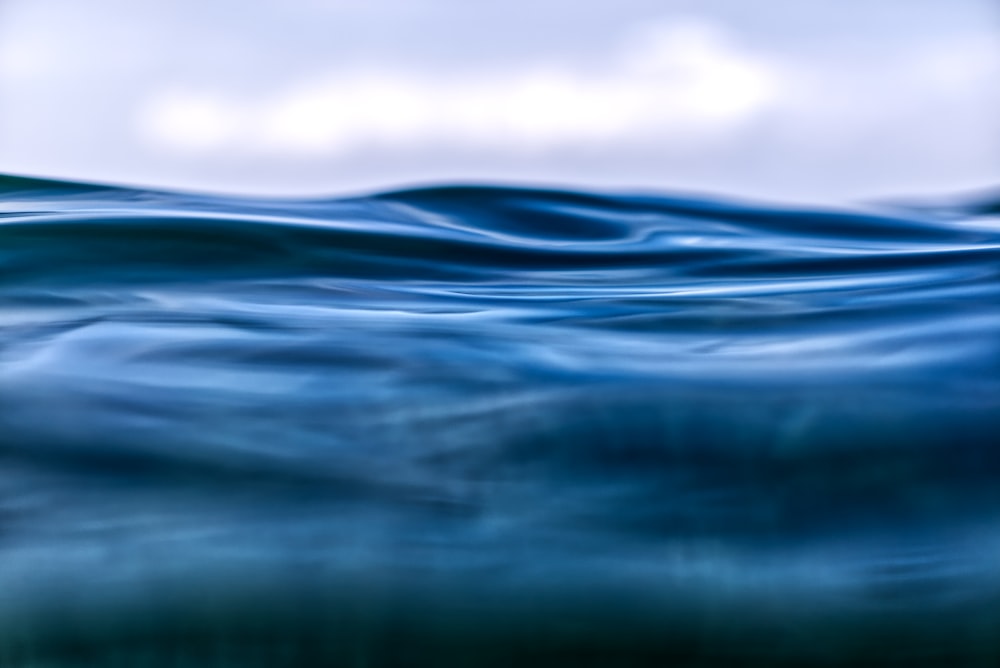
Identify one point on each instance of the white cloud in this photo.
(191, 121)
(969, 64)
(681, 79)
(335, 116)
(703, 73)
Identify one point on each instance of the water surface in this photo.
(456, 425)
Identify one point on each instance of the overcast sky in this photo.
(794, 99)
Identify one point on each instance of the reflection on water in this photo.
(471, 426)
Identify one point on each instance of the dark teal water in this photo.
(480, 425)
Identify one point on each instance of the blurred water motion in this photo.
(474, 425)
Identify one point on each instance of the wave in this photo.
(506, 404)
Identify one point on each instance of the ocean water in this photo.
(488, 426)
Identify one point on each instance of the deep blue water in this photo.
(711, 427)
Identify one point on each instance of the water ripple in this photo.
(680, 399)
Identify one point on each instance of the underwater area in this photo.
(494, 426)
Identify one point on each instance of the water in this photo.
(475, 425)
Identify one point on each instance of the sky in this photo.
(792, 99)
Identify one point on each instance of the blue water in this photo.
(703, 415)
